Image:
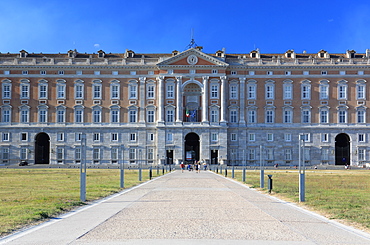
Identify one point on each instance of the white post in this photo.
(83, 169)
(262, 170)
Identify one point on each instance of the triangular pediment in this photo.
(192, 57)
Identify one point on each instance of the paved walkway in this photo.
(190, 208)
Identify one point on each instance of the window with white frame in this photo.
(305, 137)
(79, 90)
(5, 153)
(361, 138)
(288, 115)
(24, 115)
(60, 153)
(270, 137)
(269, 91)
(96, 154)
(114, 91)
(324, 137)
(96, 136)
(78, 72)
(7, 90)
(306, 115)
(170, 115)
(342, 91)
(60, 136)
(96, 73)
(251, 90)
(114, 115)
(324, 91)
(361, 118)
(23, 153)
(25, 90)
(269, 116)
(24, 72)
(132, 116)
(5, 114)
(114, 136)
(170, 91)
(288, 91)
(61, 90)
(150, 91)
(360, 90)
(288, 137)
(214, 71)
(78, 136)
(214, 115)
(269, 154)
(306, 91)
(132, 136)
(324, 115)
(251, 137)
(97, 90)
(324, 154)
(251, 73)
(60, 72)
(150, 116)
(361, 154)
(78, 154)
(233, 137)
(233, 91)
(132, 72)
(288, 154)
(43, 90)
(114, 73)
(150, 154)
(78, 115)
(132, 154)
(342, 116)
(234, 116)
(96, 115)
(133, 91)
(252, 154)
(214, 136)
(252, 116)
(114, 154)
(324, 73)
(169, 137)
(42, 115)
(24, 136)
(214, 91)
(150, 137)
(6, 136)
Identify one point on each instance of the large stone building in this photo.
(184, 106)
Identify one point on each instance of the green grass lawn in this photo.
(338, 194)
(31, 195)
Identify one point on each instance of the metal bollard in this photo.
(233, 173)
(162, 170)
(216, 170)
(269, 183)
(150, 173)
(225, 172)
(244, 173)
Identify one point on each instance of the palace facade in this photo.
(235, 109)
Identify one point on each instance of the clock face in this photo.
(192, 59)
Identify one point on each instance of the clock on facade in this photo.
(192, 59)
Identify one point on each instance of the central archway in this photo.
(191, 148)
(342, 147)
(42, 148)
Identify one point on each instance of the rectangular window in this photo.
(170, 116)
(96, 116)
(150, 116)
(342, 116)
(233, 117)
(6, 91)
(325, 137)
(214, 91)
(114, 153)
(150, 137)
(60, 136)
(60, 116)
(96, 154)
(77, 153)
(360, 116)
(288, 137)
(324, 116)
(170, 91)
(342, 92)
(233, 92)
(325, 154)
(114, 116)
(360, 92)
(6, 136)
(97, 91)
(96, 136)
(133, 92)
(60, 153)
(324, 92)
(251, 137)
(133, 137)
(150, 92)
(252, 154)
(79, 91)
(169, 137)
(24, 72)
(287, 116)
(6, 115)
(361, 138)
(24, 116)
(214, 116)
(132, 154)
(214, 137)
(25, 91)
(269, 92)
(305, 116)
(96, 73)
(78, 116)
(252, 116)
(114, 136)
(288, 154)
(361, 154)
(78, 136)
(251, 91)
(42, 116)
(150, 154)
(5, 153)
(269, 154)
(132, 116)
(233, 137)
(43, 91)
(60, 72)
(61, 91)
(269, 116)
(114, 91)
(270, 137)
(306, 92)
(23, 155)
(288, 91)
(24, 136)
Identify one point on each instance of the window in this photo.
(288, 154)
(78, 136)
(214, 91)
(214, 115)
(288, 137)
(288, 91)
(6, 115)
(96, 154)
(78, 154)
(252, 116)
(96, 115)
(169, 137)
(269, 116)
(150, 91)
(306, 73)
(114, 91)
(114, 154)
(360, 73)
(23, 155)
(132, 116)
(270, 137)
(133, 91)
(60, 72)
(132, 154)
(42, 115)
(6, 72)
(96, 136)
(24, 72)
(6, 136)
(170, 115)
(251, 91)
(170, 71)
(361, 154)
(305, 137)
(60, 136)
(269, 91)
(150, 72)
(43, 91)
(361, 138)
(252, 154)
(97, 91)
(360, 91)
(214, 137)
(5, 153)
(133, 137)
(214, 71)
(324, 116)
(269, 154)
(342, 116)
(306, 116)
(170, 91)
(288, 73)
(24, 115)
(60, 115)
(79, 115)
(306, 91)
(233, 92)
(25, 91)
(325, 137)
(324, 154)
(61, 90)
(151, 137)
(114, 116)
(114, 73)
(342, 72)
(233, 137)
(43, 72)
(96, 73)
(233, 116)
(60, 153)
(7, 87)
(78, 72)
(150, 116)
(361, 116)
(269, 73)
(150, 154)
(234, 72)
(288, 118)
(324, 73)
(79, 91)
(251, 137)
(342, 92)
(24, 136)
(324, 91)
(114, 136)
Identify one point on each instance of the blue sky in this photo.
(159, 26)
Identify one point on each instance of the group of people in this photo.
(197, 165)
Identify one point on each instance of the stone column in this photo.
(223, 99)
(179, 112)
(205, 100)
(160, 99)
(242, 100)
(142, 99)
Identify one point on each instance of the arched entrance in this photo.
(342, 146)
(42, 148)
(191, 148)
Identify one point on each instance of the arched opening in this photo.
(191, 148)
(192, 97)
(42, 148)
(342, 147)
